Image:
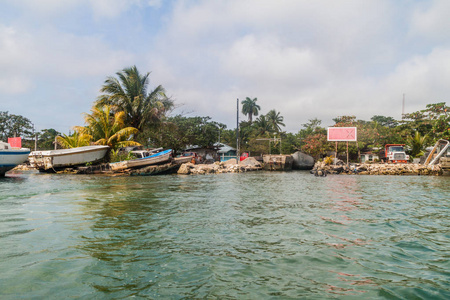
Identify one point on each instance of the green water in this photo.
(262, 235)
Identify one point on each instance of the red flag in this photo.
(15, 142)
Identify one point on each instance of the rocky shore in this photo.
(321, 169)
(229, 166)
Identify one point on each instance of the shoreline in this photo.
(380, 169)
(319, 169)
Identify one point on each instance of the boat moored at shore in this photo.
(52, 160)
(11, 157)
(157, 158)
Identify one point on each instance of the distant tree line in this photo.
(128, 112)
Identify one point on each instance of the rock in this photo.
(250, 162)
(185, 169)
(302, 161)
(232, 161)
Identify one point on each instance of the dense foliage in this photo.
(179, 132)
(129, 93)
(14, 126)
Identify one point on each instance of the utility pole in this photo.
(35, 138)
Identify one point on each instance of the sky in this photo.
(305, 59)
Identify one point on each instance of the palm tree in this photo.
(417, 144)
(75, 140)
(262, 125)
(106, 129)
(275, 120)
(250, 108)
(129, 93)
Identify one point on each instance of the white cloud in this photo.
(431, 21)
(25, 56)
(303, 58)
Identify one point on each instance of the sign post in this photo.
(342, 134)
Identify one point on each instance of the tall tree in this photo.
(250, 108)
(385, 121)
(275, 120)
(106, 129)
(129, 92)
(46, 138)
(262, 126)
(14, 126)
(179, 132)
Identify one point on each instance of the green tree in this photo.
(77, 139)
(417, 144)
(434, 120)
(275, 120)
(46, 138)
(262, 126)
(180, 132)
(106, 129)
(385, 121)
(250, 108)
(14, 126)
(311, 127)
(316, 145)
(129, 92)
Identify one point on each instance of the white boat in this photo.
(11, 157)
(51, 160)
(153, 159)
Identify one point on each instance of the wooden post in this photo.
(347, 153)
(335, 155)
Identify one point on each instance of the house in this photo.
(366, 157)
(205, 154)
(225, 152)
(217, 152)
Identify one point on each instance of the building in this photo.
(366, 157)
(225, 152)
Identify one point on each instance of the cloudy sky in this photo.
(306, 59)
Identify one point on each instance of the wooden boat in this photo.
(153, 159)
(11, 157)
(52, 160)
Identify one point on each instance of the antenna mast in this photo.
(403, 107)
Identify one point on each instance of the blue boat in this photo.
(154, 159)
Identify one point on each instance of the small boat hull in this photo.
(65, 158)
(154, 159)
(10, 158)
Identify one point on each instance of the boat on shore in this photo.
(11, 157)
(154, 159)
(53, 160)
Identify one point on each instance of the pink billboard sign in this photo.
(341, 134)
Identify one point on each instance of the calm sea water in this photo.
(262, 235)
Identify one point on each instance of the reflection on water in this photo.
(255, 235)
